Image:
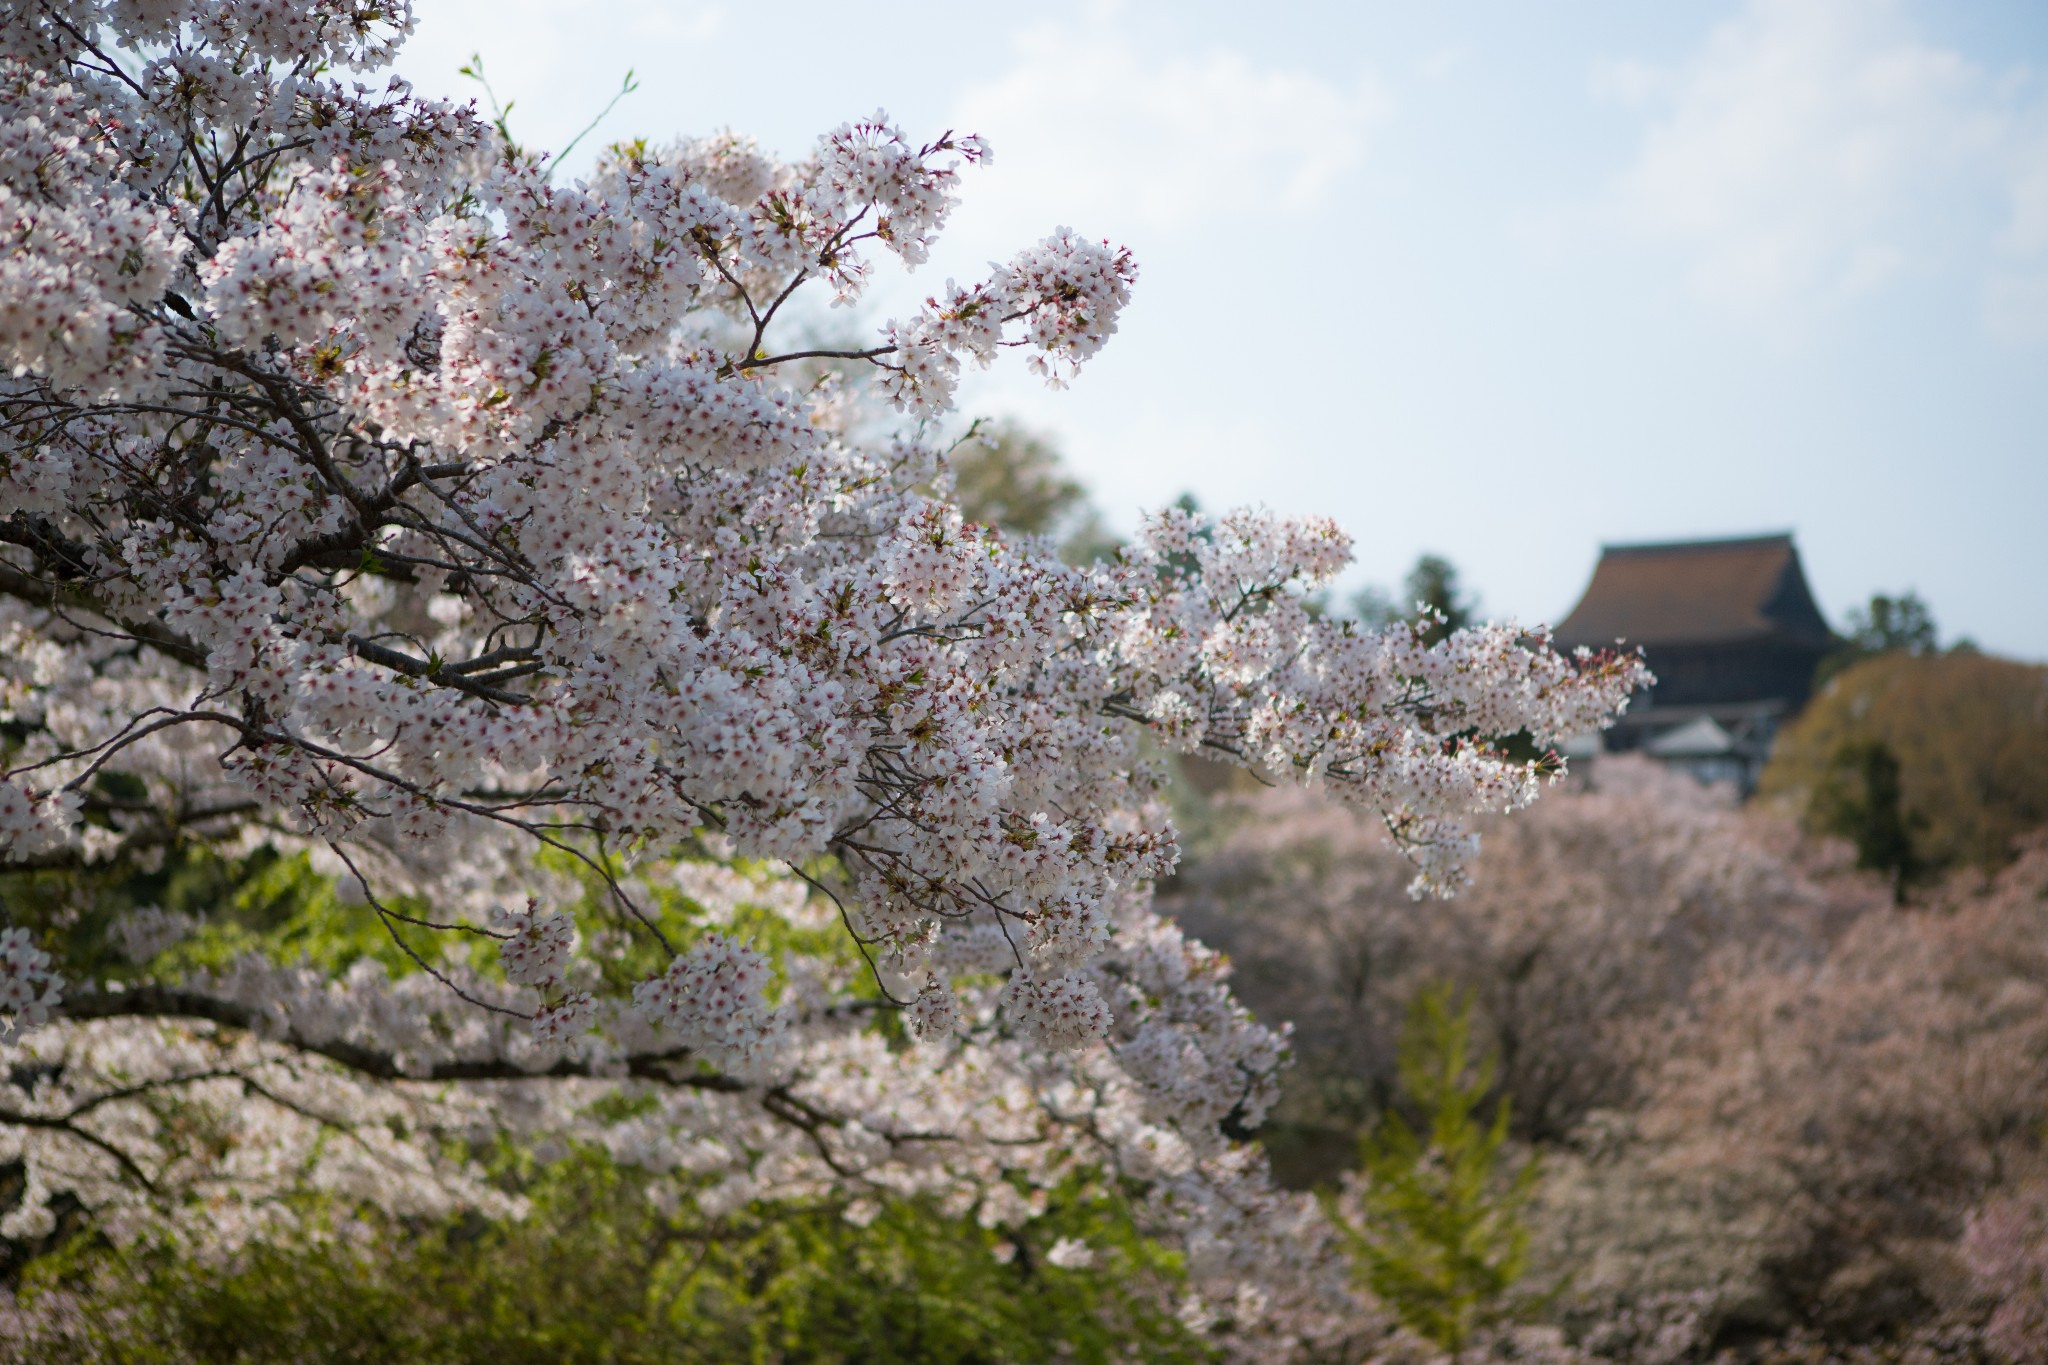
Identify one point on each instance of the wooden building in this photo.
(1732, 632)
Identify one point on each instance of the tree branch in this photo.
(151, 1002)
(40, 592)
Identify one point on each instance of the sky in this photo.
(1496, 281)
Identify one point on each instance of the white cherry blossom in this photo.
(367, 495)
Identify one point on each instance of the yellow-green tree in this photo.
(1927, 761)
(1442, 1238)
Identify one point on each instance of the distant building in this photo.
(1731, 630)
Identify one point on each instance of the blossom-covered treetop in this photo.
(366, 492)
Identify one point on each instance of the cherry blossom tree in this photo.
(1874, 1098)
(1765, 1096)
(370, 498)
(1586, 925)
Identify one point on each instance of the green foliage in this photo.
(1858, 798)
(598, 1272)
(1969, 736)
(631, 958)
(1004, 476)
(1432, 583)
(1443, 1238)
(602, 1269)
(265, 902)
(277, 905)
(1888, 625)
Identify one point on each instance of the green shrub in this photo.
(597, 1272)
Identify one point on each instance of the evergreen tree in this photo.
(1433, 584)
(1888, 625)
(1442, 1239)
(1859, 799)
(1433, 587)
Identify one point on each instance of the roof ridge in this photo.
(1714, 543)
(1673, 594)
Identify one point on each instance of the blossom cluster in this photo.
(535, 949)
(368, 494)
(1067, 293)
(506, 514)
(31, 820)
(28, 988)
(712, 1000)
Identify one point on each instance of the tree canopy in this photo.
(1926, 761)
(466, 671)
(1887, 624)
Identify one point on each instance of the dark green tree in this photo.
(1859, 798)
(1433, 583)
(1374, 606)
(1443, 1238)
(1887, 625)
(1964, 738)
(1433, 586)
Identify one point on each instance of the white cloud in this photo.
(1087, 119)
(679, 23)
(1818, 150)
(2016, 288)
(1442, 63)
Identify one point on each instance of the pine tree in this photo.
(1442, 1239)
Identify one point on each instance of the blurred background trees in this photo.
(1005, 476)
(1925, 761)
(1784, 1062)
(1431, 588)
(1767, 1099)
(1589, 919)
(1886, 625)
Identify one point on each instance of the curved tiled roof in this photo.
(1697, 592)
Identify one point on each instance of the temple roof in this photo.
(1697, 592)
